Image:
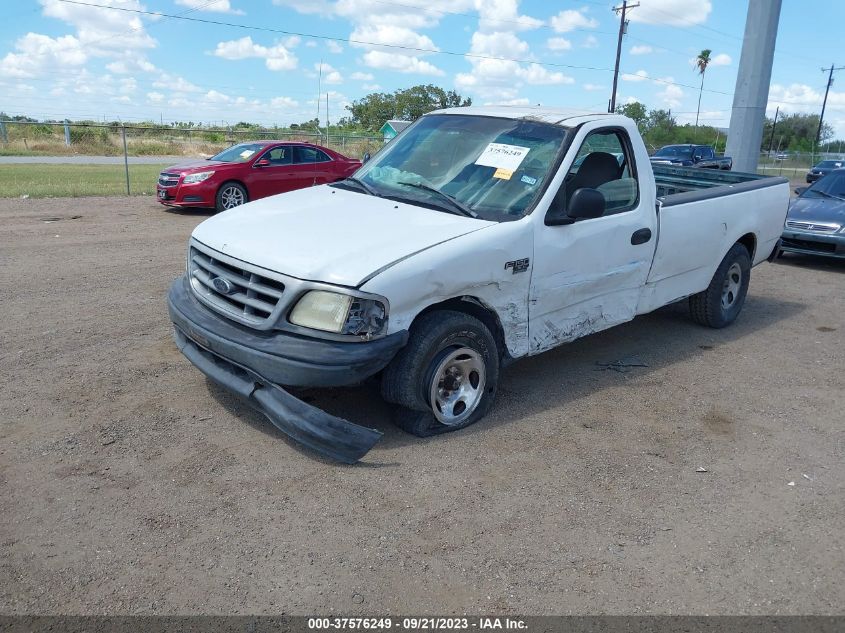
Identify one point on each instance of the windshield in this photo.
(829, 164)
(486, 167)
(831, 185)
(674, 151)
(239, 153)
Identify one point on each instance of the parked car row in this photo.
(700, 156)
(249, 171)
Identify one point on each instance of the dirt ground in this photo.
(133, 486)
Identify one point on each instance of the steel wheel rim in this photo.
(457, 386)
(232, 197)
(731, 286)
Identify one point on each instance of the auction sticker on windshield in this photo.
(502, 156)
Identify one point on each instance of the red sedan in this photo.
(249, 171)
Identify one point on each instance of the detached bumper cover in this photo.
(254, 365)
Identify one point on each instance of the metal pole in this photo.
(125, 158)
(624, 9)
(752, 84)
(824, 103)
(3, 132)
(774, 125)
(67, 133)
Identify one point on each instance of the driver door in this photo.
(588, 275)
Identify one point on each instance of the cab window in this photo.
(604, 162)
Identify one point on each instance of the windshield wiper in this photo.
(361, 185)
(461, 208)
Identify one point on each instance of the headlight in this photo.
(339, 313)
(192, 179)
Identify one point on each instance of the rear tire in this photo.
(230, 195)
(720, 304)
(445, 378)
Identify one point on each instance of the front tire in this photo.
(445, 378)
(720, 304)
(230, 195)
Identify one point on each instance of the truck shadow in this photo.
(534, 385)
(812, 262)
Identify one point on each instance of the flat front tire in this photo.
(720, 304)
(445, 378)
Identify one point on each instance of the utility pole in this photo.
(752, 84)
(623, 26)
(774, 125)
(824, 103)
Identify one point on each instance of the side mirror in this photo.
(800, 190)
(262, 163)
(365, 157)
(584, 204)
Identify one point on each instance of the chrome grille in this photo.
(167, 179)
(242, 294)
(821, 227)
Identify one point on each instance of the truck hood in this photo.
(330, 234)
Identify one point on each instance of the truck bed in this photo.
(672, 181)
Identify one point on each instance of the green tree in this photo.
(635, 111)
(701, 63)
(795, 132)
(373, 110)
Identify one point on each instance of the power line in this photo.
(330, 37)
(824, 103)
(361, 42)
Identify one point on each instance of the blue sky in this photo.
(61, 59)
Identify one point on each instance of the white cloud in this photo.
(558, 44)
(570, 20)
(155, 97)
(276, 57)
(643, 49)
(538, 75)
(213, 96)
(329, 74)
(672, 12)
(175, 83)
(400, 63)
(640, 75)
(496, 15)
(284, 102)
(671, 94)
(722, 59)
(371, 87)
(362, 76)
(218, 6)
(392, 36)
(590, 42)
(103, 32)
(334, 47)
(593, 87)
(130, 66)
(38, 54)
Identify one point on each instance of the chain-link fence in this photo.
(138, 149)
(794, 164)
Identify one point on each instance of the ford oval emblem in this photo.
(223, 286)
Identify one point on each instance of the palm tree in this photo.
(701, 64)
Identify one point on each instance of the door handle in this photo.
(641, 237)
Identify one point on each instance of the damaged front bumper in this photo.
(254, 364)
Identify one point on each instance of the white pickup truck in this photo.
(477, 237)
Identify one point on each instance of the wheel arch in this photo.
(749, 241)
(236, 181)
(474, 307)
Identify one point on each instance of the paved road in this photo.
(91, 160)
